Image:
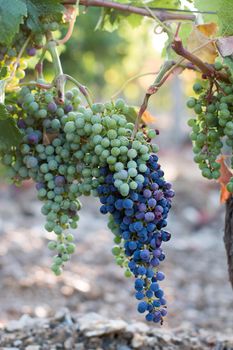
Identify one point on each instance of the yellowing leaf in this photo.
(208, 29)
(147, 117)
(226, 174)
(198, 37)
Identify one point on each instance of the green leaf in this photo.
(48, 10)
(9, 133)
(3, 72)
(225, 15)
(173, 4)
(11, 16)
(134, 20)
(209, 5)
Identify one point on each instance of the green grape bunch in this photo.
(62, 149)
(212, 127)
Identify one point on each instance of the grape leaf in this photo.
(225, 15)
(174, 4)
(49, 10)
(11, 16)
(3, 72)
(110, 19)
(9, 132)
(208, 5)
(199, 36)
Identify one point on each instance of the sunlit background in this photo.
(197, 285)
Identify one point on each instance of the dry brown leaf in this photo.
(226, 174)
(198, 37)
(147, 117)
(225, 46)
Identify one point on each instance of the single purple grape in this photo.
(33, 138)
(52, 107)
(154, 262)
(154, 186)
(169, 193)
(39, 185)
(145, 255)
(21, 124)
(157, 252)
(68, 108)
(159, 209)
(147, 193)
(158, 195)
(142, 207)
(160, 276)
(31, 51)
(60, 181)
(152, 202)
(149, 216)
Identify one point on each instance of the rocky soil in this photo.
(93, 332)
(199, 295)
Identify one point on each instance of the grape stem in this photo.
(70, 29)
(205, 68)
(39, 85)
(83, 89)
(60, 80)
(160, 79)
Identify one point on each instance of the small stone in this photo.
(17, 342)
(68, 344)
(123, 347)
(79, 346)
(138, 341)
(33, 347)
(93, 325)
(24, 322)
(61, 314)
(137, 327)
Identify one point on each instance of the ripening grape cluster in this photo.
(138, 220)
(69, 150)
(212, 128)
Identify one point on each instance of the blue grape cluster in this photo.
(138, 221)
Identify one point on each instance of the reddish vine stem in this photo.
(70, 29)
(162, 15)
(205, 68)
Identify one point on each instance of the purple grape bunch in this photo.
(138, 221)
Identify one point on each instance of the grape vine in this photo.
(70, 146)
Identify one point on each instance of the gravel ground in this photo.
(196, 284)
